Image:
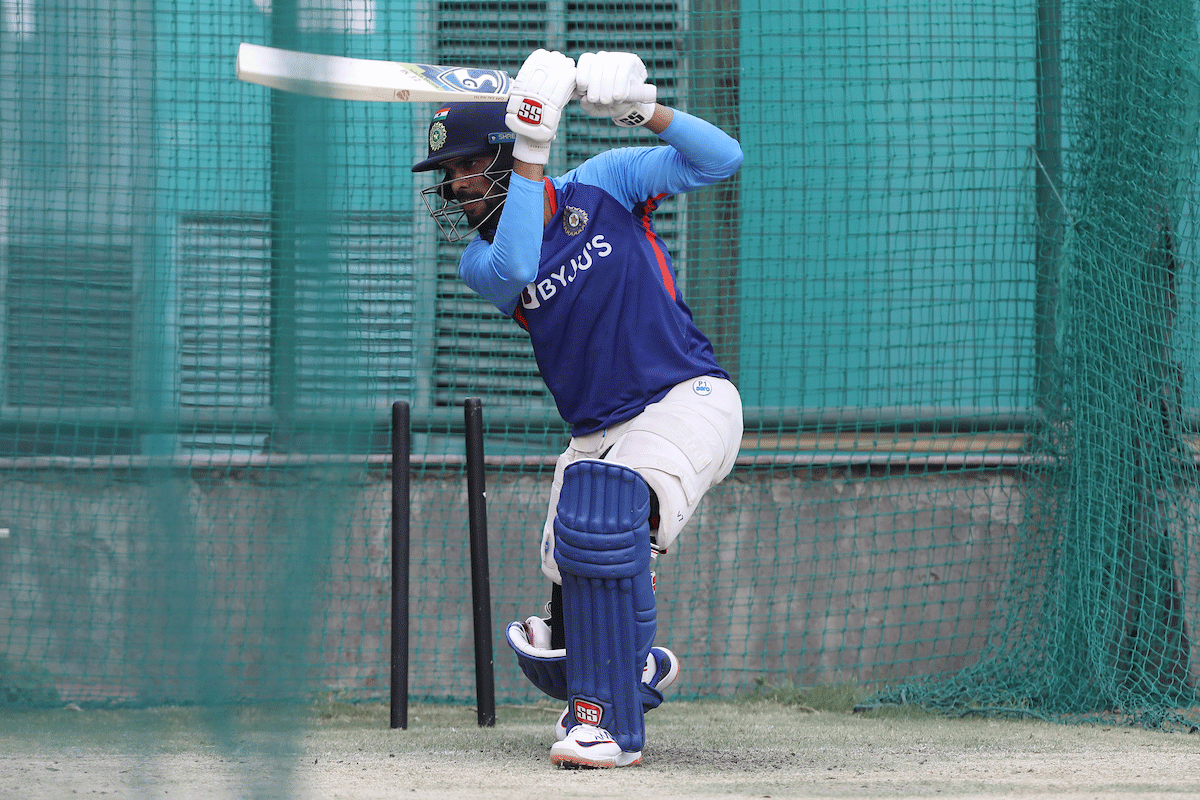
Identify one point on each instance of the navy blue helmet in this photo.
(462, 130)
(465, 129)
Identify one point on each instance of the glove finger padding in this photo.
(604, 77)
(606, 81)
(549, 74)
(543, 86)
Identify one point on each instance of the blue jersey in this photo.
(596, 290)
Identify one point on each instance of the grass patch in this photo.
(836, 698)
(25, 685)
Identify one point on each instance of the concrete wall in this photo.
(258, 583)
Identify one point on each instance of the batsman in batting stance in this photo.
(655, 421)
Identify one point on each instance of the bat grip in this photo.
(646, 93)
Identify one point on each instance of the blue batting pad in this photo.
(602, 546)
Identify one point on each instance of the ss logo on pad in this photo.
(588, 713)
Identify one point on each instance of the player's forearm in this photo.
(500, 270)
(533, 172)
(660, 119)
(714, 154)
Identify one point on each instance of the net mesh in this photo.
(1097, 624)
(954, 281)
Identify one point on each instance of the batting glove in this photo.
(614, 85)
(544, 85)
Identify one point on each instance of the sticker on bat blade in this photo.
(466, 79)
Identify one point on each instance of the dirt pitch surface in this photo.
(695, 750)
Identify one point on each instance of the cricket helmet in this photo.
(460, 130)
(465, 129)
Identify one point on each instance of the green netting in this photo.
(954, 280)
(1097, 626)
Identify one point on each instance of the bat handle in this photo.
(646, 93)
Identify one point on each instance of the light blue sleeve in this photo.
(500, 270)
(697, 154)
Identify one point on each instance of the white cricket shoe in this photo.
(589, 747)
(661, 670)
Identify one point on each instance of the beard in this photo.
(479, 210)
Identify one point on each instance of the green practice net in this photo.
(1096, 619)
(954, 281)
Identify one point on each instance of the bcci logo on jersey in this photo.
(574, 220)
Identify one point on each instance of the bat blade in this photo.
(341, 78)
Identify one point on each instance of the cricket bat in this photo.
(341, 78)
